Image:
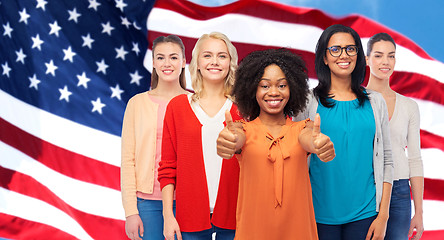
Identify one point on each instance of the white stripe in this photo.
(60, 131)
(298, 36)
(86, 197)
(433, 215)
(32, 209)
(432, 116)
(433, 161)
(274, 33)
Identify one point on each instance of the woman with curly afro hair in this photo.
(274, 200)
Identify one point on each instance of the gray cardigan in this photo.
(382, 153)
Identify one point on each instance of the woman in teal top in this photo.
(351, 194)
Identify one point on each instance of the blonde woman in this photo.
(206, 185)
(141, 140)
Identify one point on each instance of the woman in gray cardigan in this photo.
(351, 194)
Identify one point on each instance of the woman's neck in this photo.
(167, 90)
(213, 90)
(379, 85)
(341, 89)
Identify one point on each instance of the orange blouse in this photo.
(274, 199)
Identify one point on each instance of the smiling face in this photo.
(272, 93)
(213, 60)
(168, 61)
(342, 66)
(381, 60)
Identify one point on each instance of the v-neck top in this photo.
(405, 138)
(211, 127)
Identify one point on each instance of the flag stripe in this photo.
(433, 161)
(94, 225)
(61, 131)
(71, 191)
(430, 140)
(61, 160)
(34, 230)
(46, 213)
(433, 189)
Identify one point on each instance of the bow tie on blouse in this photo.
(277, 154)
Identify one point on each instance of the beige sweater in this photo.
(138, 150)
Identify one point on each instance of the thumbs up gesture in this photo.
(230, 139)
(323, 146)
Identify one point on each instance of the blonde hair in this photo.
(196, 76)
(168, 39)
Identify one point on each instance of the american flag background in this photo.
(69, 67)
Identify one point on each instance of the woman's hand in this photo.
(377, 229)
(171, 228)
(134, 226)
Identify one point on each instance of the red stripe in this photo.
(97, 227)
(430, 140)
(13, 227)
(61, 160)
(284, 13)
(433, 189)
(433, 235)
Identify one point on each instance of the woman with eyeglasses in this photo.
(404, 131)
(351, 193)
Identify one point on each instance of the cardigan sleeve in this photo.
(413, 141)
(385, 129)
(127, 170)
(168, 163)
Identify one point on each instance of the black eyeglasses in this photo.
(336, 51)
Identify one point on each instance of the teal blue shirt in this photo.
(344, 188)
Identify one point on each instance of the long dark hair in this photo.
(323, 71)
(376, 38)
(169, 39)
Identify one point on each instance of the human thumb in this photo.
(317, 126)
(229, 121)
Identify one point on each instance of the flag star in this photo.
(87, 41)
(116, 92)
(64, 93)
(136, 48)
(24, 16)
(101, 66)
(36, 42)
(7, 29)
(50, 68)
(121, 53)
(136, 27)
(135, 78)
(6, 69)
(93, 4)
(97, 106)
(107, 28)
(34, 82)
(120, 4)
(73, 15)
(83, 80)
(55, 28)
(20, 56)
(125, 22)
(68, 54)
(41, 4)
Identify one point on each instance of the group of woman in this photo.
(229, 159)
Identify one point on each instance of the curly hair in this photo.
(250, 71)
